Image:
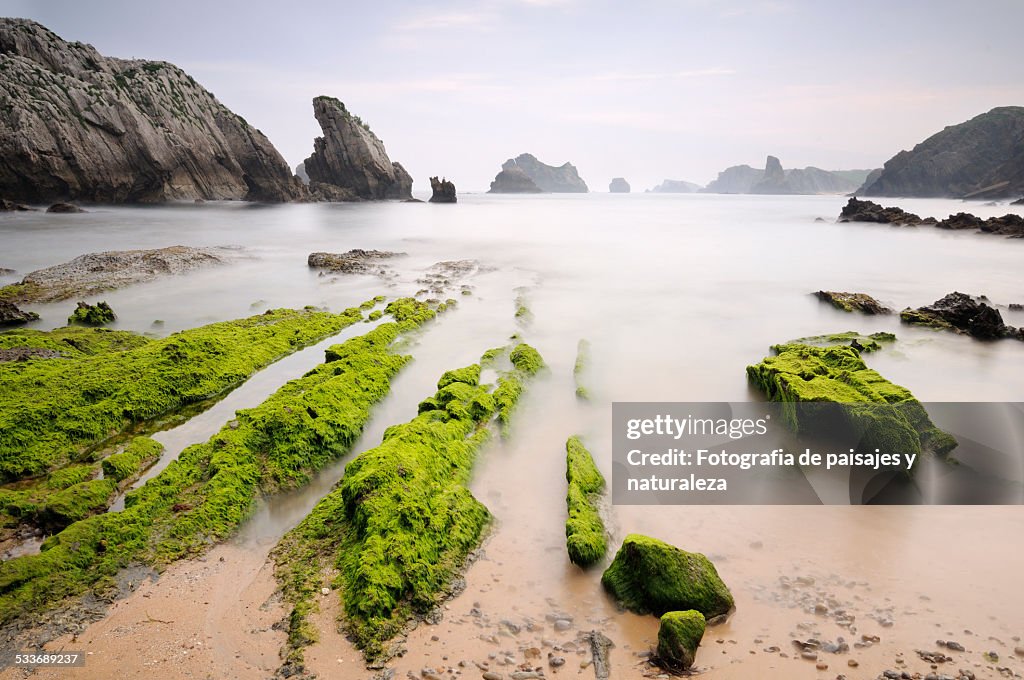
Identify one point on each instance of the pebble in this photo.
(809, 655)
(325, 591)
(491, 675)
(852, 663)
(1019, 651)
(821, 666)
(563, 624)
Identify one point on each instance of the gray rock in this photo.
(676, 186)
(350, 156)
(442, 191)
(561, 179)
(513, 181)
(64, 208)
(10, 315)
(619, 185)
(81, 126)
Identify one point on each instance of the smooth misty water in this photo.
(677, 294)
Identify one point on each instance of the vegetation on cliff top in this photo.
(401, 522)
(203, 495)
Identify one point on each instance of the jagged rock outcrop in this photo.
(1019, 201)
(961, 313)
(10, 315)
(300, 172)
(563, 179)
(442, 191)
(983, 156)
(619, 185)
(75, 125)
(676, 186)
(743, 179)
(513, 181)
(857, 210)
(352, 158)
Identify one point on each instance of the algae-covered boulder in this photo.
(678, 638)
(585, 536)
(884, 415)
(98, 314)
(651, 576)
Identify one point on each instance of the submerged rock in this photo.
(10, 315)
(513, 181)
(619, 185)
(98, 314)
(11, 206)
(679, 636)
(77, 125)
(853, 302)
(351, 157)
(1019, 201)
(1007, 225)
(355, 261)
(857, 210)
(861, 343)
(651, 576)
(961, 313)
(65, 208)
(884, 415)
(97, 272)
(442, 190)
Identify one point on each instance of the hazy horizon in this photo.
(653, 91)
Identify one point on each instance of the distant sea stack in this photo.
(349, 162)
(442, 191)
(619, 185)
(743, 179)
(981, 158)
(513, 181)
(75, 125)
(563, 179)
(676, 186)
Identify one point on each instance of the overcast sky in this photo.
(644, 89)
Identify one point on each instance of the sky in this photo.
(646, 90)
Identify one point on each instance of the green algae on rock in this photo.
(53, 411)
(129, 463)
(99, 314)
(651, 576)
(853, 302)
(860, 342)
(401, 523)
(585, 536)
(204, 494)
(580, 367)
(883, 415)
(679, 635)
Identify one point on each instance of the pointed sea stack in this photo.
(442, 190)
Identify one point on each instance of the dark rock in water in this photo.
(978, 158)
(963, 314)
(64, 208)
(80, 126)
(678, 638)
(442, 190)
(648, 575)
(853, 302)
(1019, 201)
(562, 179)
(98, 314)
(619, 185)
(1016, 307)
(11, 206)
(857, 210)
(961, 220)
(10, 315)
(1008, 225)
(4, 271)
(676, 186)
(513, 181)
(351, 157)
(356, 261)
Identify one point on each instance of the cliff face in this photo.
(676, 186)
(738, 179)
(563, 179)
(743, 179)
(349, 158)
(77, 125)
(981, 157)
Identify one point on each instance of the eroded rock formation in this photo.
(442, 190)
(562, 179)
(619, 185)
(513, 181)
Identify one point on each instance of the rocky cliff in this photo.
(350, 158)
(77, 125)
(743, 179)
(513, 181)
(983, 157)
(562, 179)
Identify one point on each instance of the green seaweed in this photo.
(204, 494)
(580, 367)
(399, 525)
(585, 535)
(651, 576)
(98, 314)
(53, 411)
(882, 414)
(679, 635)
(72, 342)
(860, 342)
(75, 503)
(128, 463)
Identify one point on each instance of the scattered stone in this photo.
(679, 636)
(442, 190)
(85, 314)
(556, 661)
(853, 302)
(949, 644)
(961, 313)
(11, 315)
(600, 648)
(491, 675)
